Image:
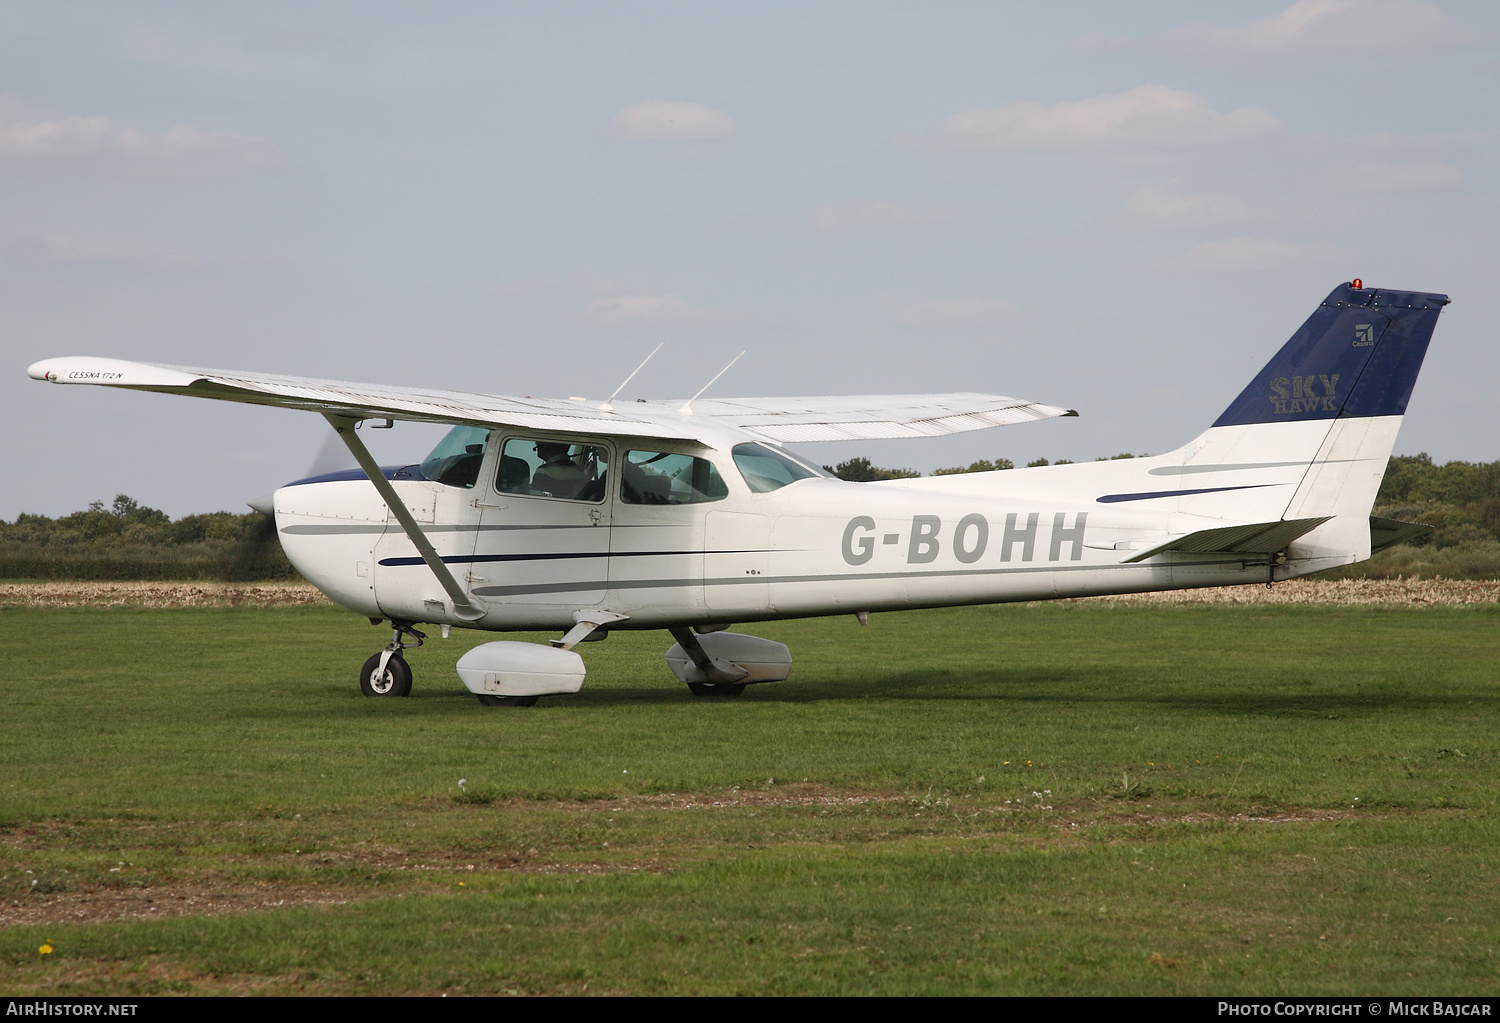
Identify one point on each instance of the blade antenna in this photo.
(686, 408)
(608, 405)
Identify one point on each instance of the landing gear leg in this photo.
(722, 678)
(387, 673)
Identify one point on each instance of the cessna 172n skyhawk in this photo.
(561, 515)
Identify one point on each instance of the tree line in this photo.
(127, 540)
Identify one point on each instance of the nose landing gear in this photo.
(387, 673)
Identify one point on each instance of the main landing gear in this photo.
(718, 663)
(711, 689)
(387, 673)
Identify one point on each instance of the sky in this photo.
(1123, 209)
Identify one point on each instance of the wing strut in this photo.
(344, 426)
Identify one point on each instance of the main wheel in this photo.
(709, 689)
(507, 701)
(395, 681)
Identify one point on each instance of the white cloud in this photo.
(60, 248)
(1148, 115)
(957, 312)
(182, 151)
(1256, 254)
(1324, 25)
(650, 310)
(854, 215)
(1153, 208)
(1412, 176)
(663, 120)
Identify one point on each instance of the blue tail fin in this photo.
(1358, 355)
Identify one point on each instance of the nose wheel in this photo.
(387, 673)
(394, 679)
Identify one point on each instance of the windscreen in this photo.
(766, 470)
(455, 460)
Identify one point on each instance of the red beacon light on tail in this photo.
(1357, 284)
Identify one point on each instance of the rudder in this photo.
(1310, 436)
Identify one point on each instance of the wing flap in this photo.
(1249, 538)
(871, 416)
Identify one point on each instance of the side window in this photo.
(766, 470)
(552, 468)
(663, 477)
(455, 460)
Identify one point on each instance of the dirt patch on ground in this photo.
(793, 795)
(157, 594)
(1201, 817)
(439, 870)
(102, 905)
(1408, 592)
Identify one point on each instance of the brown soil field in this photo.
(1408, 592)
(156, 594)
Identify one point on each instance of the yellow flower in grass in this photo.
(46, 949)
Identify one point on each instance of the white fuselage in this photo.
(824, 546)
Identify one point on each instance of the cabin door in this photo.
(544, 524)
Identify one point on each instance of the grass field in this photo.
(1074, 798)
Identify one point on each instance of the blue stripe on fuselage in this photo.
(1117, 498)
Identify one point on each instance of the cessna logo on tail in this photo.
(1312, 393)
(1364, 335)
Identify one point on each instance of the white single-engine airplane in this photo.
(562, 515)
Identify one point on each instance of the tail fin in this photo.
(1311, 435)
(1357, 356)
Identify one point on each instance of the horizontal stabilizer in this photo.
(1389, 532)
(1250, 538)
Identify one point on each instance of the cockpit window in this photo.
(455, 461)
(664, 477)
(553, 468)
(766, 470)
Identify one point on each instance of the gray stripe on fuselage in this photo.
(380, 527)
(647, 584)
(1188, 470)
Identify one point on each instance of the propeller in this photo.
(258, 550)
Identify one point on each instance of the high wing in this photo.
(777, 419)
(356, 400)
(871, 416)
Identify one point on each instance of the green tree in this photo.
(983, 465)
(860, 470)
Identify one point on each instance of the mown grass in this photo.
(1063, 798)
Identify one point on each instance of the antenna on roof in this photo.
(686, 409)
(608, 406)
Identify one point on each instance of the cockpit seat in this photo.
(515, 475)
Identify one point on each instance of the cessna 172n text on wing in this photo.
(561, 515)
